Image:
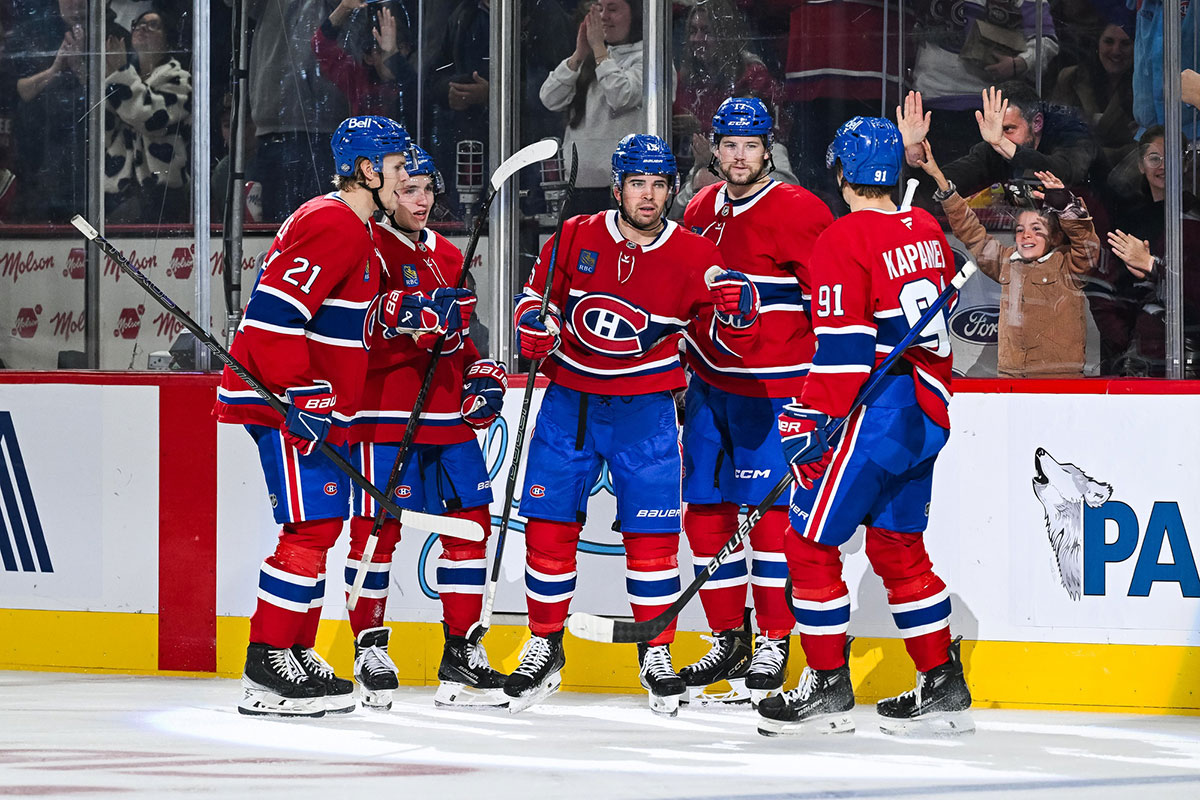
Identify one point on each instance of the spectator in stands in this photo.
(1127, 301)
(1043, 328)
(382, 83)
(1021, 136)
(600, 87)
(964, 48)
(1148, 105)
(1102, 88)
(52, 91)
(294, 106)
(8, 112)
(148, 134)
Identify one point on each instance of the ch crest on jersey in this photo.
(409, 272)
(609, 325)
(587, 261)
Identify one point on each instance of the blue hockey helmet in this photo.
(870, 149)
(367, 137)
(419, 162)
(643, 154)
(743, 116)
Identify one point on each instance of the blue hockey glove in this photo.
(535, 339)
(455, 306)
(410, 313)
(734, 297)
(484, 384)
(309, 415)
(802, 431)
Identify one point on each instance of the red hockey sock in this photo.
(918, 599)
(768, 575)
(462, 574)
(708, 527)
(288, 583)
(549, 572)
(372, 601)
(821, 600)
(652, 577)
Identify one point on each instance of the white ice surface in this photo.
(64, 735)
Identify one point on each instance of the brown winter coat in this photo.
(1042, 328)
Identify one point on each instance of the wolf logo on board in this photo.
(1062, 489)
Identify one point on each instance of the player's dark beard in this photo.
(766, 169)
(653, 227)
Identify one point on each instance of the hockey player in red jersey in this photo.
(626, 282)
(443, 471)
(873, 273)
(731, 452)
(303, 334)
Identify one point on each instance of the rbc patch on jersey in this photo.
(698, 230)
(410, 275)
(587, 261)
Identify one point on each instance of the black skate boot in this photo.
(274, 684)
(339, 692)
(467, 679)
(374, 669)
(938, 706)
(727, 659)
(659, 679)
(767, 667)
(538, 675)
(820, 704)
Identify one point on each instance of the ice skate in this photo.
(727, 660)
(820, 704)
(374, 669)
(659, 679)
(938, 706)
(339, 692)
(767, 668)
(467, 679)
(274, 684)
(539, 674)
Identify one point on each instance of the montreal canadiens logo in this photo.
(403, 491)
(609, 325)
(331, 488)
(537, 490)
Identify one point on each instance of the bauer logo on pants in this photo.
(22, 541)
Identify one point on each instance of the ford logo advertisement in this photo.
(976, 324)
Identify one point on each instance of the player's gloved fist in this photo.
(455, 306)
(484, 384)
(535, 338)
(410, 313)
(802, 431)
(309, 415)
(734, 298)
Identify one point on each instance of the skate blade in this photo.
(936, 725)
(666, 705)
(706, 696)
(340, 703)
(461, 695)
(817, 725)
(261, 703)
(377, 700)
(518, 704)
(758, 695)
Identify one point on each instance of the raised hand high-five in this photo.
(913, 122)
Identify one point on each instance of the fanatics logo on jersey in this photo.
(537, 490)
(331, 488)
(587, 261)
(410, 275)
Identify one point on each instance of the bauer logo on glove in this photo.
(802, 432)
(484, 385)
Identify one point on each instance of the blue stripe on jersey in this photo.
(292, 592)
(549, 588)
(824, 618)
(770, 294)
(728, 570)
(374, 580)
(663, 587)
(319, 591)
(892, 330)
(274, 310)
(922, 616)
(461, 576)
(836, 349)
(769, 569)
(602, 375)
(339, 322)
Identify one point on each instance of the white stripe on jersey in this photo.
(329, 340)
(649, 365)
(743, 370)
(838, 369)
(825, 330)
(266, 326)
(889, 313)
(364, 304)
(935, 384)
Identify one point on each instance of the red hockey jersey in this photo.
(874, 273)
(768, 236)
(396, 367)
(307, 316)
(623, 305)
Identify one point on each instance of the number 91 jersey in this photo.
(873, 274)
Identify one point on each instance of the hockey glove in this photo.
(309, 415)
(484, 384)
(410, 313)
(455, 306)
(536, 339)
(804, 444)
(734, 298)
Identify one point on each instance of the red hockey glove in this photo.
(484, 384)
(536, 339)
(802, 431)
(734, 297)
(309, 416)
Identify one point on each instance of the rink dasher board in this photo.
(115, 549)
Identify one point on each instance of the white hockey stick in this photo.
(910, 190)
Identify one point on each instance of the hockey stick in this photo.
(480, 628)
(531, 154)
(603, 629)
(910, 190)
(464, 530)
